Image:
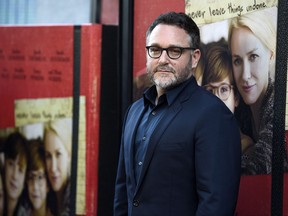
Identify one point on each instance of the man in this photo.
(180, 149)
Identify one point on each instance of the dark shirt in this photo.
(151, 117)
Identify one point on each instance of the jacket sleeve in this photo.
(217, 161)
(121, 198)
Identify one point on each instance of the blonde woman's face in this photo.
(250, 59)
(57, 161)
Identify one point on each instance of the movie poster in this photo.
(36, 92)
(241, 53)
(238, 44)
(40, 148)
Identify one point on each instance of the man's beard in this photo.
(165, 81)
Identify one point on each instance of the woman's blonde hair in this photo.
(63, 129)
(260, 23)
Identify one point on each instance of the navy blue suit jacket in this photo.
(192, 163)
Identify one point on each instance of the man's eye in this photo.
(155, 49)
(174, 51)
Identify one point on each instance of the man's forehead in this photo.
(169, 34)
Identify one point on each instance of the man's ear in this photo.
(195, 58)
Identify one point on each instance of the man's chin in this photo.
(164, 84)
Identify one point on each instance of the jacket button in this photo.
(135, 203)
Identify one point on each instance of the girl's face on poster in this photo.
(57, 161)
(14, 178)
(37, 188)
(224, 87)
(250, 59)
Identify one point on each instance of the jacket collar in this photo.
(150, 94)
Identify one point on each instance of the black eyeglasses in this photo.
(173, 52)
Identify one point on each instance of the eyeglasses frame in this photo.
(166, 49)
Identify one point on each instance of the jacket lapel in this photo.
(160, 128)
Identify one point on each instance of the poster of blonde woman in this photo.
(249, 38)
(238, 65)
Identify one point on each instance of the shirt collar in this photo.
(151, 93)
